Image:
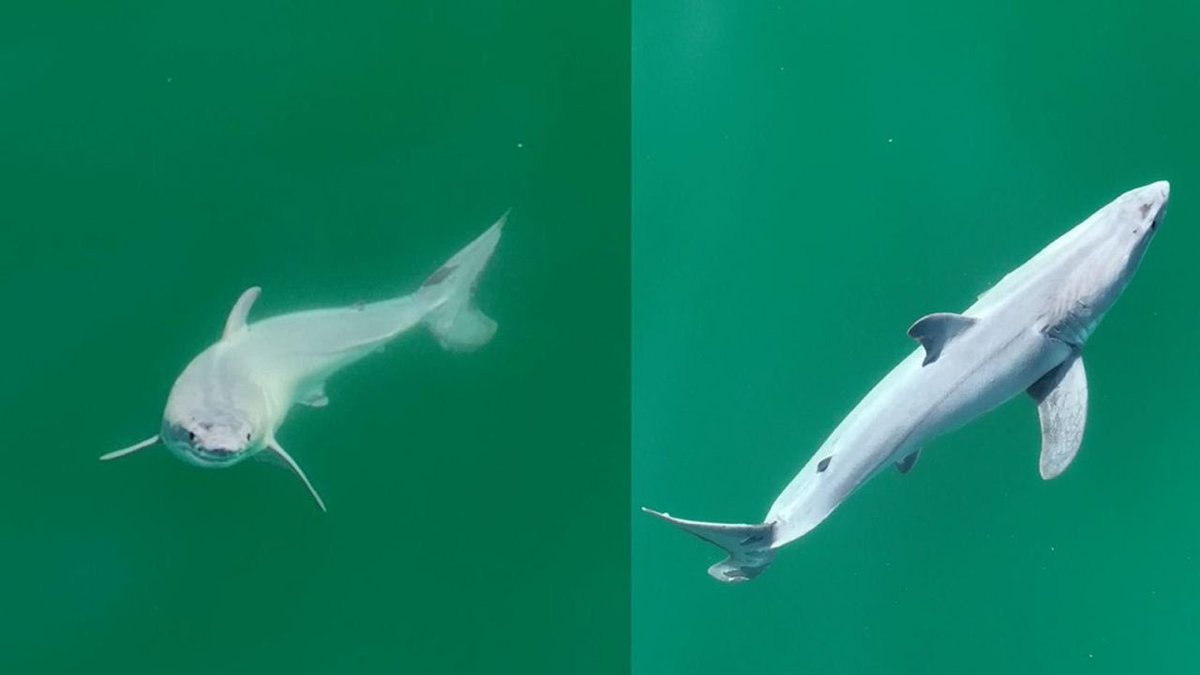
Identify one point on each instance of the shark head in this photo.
(215, 416)
(1121, 232)
(212, 439)
(1101, 254)
(1129, 222)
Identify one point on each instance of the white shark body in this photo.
(230, 401)
(1023, 335)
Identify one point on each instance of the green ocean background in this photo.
(809, 179)
(158, 158)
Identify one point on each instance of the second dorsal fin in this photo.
(936, 330)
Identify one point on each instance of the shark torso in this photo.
(913, 404)
(274, 363)
(1023, 335)
(229, 402)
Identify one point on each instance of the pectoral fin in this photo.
(241, 309)
(1061, 396)
(905, 465)
(275, 452)
(141, 445)
(935, 331)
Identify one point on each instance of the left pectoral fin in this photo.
(275, 454)
(1061, 396)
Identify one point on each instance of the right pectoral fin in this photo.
(1061, 396)
(140, 445)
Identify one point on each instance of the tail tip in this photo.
(458, 324)
(730, 572)
(748, 546)
(492, 235)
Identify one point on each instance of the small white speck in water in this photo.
(889, 140)
(520, 145)
(170, 80)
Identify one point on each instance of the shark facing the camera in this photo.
(230, 401)
(1023, 335)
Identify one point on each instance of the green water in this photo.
(809, 178)
(805, 180)
(155, 160)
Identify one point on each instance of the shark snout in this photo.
(1159, 195)
(1147, 205)
(1154, 194)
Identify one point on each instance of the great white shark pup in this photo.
(231, 399)
(1023, 335)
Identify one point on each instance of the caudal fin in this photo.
(749, 546)
(456, 323)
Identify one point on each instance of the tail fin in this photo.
(749, 546)
(457, 324)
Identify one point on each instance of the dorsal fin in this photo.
(936, 330)
(241, 309)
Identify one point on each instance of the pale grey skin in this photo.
(230, 401)
(1024, 334)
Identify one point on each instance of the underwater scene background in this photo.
(809, 179)
(157, 159)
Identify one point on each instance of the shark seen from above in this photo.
(1025, 334)
(230, 401)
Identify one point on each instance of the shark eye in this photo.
(247, 436)
(191, 436)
